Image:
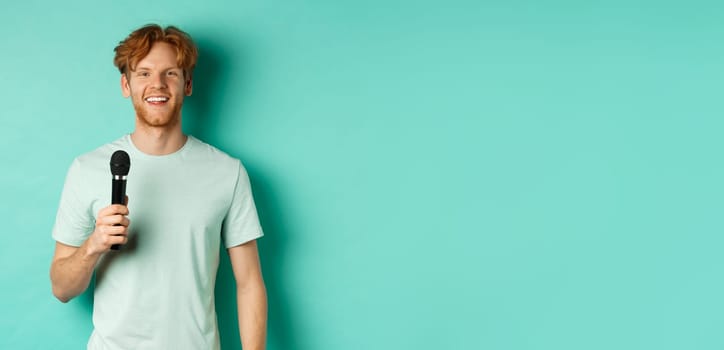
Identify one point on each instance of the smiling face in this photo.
(157, 87)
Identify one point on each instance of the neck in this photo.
(158, 141)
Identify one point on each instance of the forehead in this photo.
(161, 56)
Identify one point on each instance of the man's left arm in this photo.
(250, 295)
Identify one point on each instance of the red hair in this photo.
(138, 44)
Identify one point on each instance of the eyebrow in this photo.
(149, 69)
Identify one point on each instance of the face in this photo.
(157, 88)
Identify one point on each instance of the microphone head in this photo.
(120, 163)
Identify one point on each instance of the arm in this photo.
(250, 295)
(71, 270)
(72, 267)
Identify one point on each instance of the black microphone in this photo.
(120, 165)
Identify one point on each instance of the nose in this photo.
(159, 81)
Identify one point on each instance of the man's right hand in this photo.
(72, 267)
(111, 228)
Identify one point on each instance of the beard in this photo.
(157, 119)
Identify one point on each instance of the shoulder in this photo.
(99, 158)
(206, 153)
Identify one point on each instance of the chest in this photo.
(173, 204)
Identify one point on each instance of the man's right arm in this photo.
(72, 267)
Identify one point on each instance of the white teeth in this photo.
(156, 99)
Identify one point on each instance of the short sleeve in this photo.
(241, 223)
(74, 221)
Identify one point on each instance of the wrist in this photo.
(87, 252)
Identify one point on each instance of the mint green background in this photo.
(430, 175)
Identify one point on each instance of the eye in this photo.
(172, 73)
(144, 74)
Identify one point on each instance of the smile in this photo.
(157, 99)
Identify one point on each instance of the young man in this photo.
(185, 198)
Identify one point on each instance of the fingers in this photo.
(115, 209)
(111, 228)
(113, 220)
(108, 240)
(102, 243)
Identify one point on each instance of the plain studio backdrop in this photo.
(430, 175)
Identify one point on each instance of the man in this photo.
(184, 199)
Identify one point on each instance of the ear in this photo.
(125, 87)
(189, 87)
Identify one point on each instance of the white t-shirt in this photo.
(157, 292)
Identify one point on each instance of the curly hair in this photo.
(139, 43)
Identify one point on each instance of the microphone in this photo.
(120, 165)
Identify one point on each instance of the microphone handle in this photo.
(118, 196)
